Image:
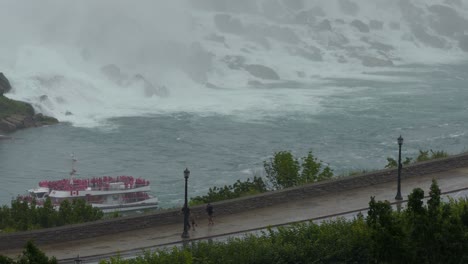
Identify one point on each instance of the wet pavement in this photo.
(288, 212)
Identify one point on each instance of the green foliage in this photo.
(283, 170)
(238, 189)
(9, 107)
(30, 255)
(435, 232)
(24, 216)
(423, 156)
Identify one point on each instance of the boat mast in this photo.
(73, 171)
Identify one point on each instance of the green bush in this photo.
(435, 232)
(238, 189)
(9, 107)
(422, 156)
(27, 216)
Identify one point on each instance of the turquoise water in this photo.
(355, 129)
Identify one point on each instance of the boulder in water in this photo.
(5, 86)
(369, 61)
(447, 21)
(361, 26)
(325, 25)
(294, 4)
(376, 24)
(348, 7)
(463, 43)
(113, 73)
(228, 24)
(262, 72)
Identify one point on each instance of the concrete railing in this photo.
(104, 227)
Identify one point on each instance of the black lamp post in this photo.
(398, 195)
(78, 260)
(185, 234)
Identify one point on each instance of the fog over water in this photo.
(343, 78)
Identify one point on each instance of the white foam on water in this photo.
(55, 51)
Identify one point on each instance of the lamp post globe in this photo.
(185, 234)
(398, 195)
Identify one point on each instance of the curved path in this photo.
(279, 214)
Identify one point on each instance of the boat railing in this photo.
(95, 183)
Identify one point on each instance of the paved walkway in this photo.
(275, 215)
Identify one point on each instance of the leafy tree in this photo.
(310, 168)
(282, 170)
(423, 156)
(65, 213)
(238, 189)
(434, 201)
(386, 233)
(392, 163)
(47, 214)
(32, 255)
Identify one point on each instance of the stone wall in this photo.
(103, 227)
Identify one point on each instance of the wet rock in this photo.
(228, 24)
(43, 98)
(348, 7)
(463, 43)
(447, 21)
(369, 61)
(282, 34)
(238, 6)
(317, 11)
(258, 39)
(325, 25)
(394, 25)
(304, 17)
(273, 10)
(361, 26)
(261, 71)
(337, 39)
(378, 45)
(314, 54)
(420, 33)
(340, 21)
(375, 24)
(14, 122)
(199, 63)
(216, 38)
(149, 89)
(113, 73)
(5, 85)
(234, 62)
(294, 4)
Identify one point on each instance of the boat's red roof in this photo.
(95, 182)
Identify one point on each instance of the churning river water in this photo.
(353, 129)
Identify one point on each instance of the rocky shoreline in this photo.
(15, 115)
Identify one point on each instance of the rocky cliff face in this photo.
(4, 84)
(14, 122)
(16, 115)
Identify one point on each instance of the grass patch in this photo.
(10, 107)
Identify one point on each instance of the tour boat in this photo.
(120, 193)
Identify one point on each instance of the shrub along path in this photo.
(278, 214)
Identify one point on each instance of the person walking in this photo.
(193, 221)
(209, 211)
